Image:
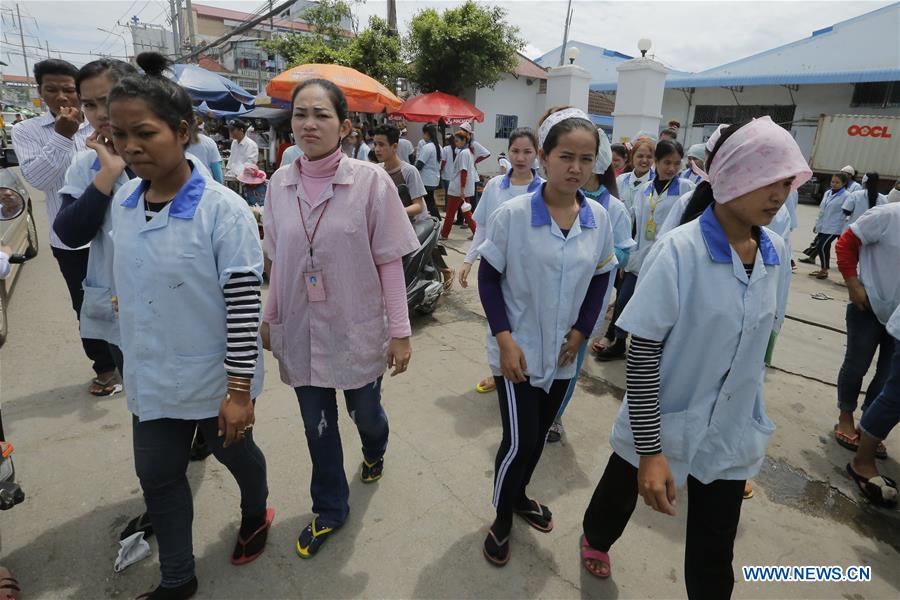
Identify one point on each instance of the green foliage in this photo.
(464, 47)
(374, 51)
(377, 53)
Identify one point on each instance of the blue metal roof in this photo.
(605, 120)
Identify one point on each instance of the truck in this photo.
(867, 142)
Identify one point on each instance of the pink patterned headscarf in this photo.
(756, 155)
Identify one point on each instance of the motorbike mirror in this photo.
(17, 259)
(12, 204)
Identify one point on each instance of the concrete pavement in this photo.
(417, 533)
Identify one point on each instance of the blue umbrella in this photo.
(204, 109)
(206, 86)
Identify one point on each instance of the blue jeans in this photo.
(865, 334)
(161, 450)
(579, 362)
(318, 407)
(884, 413)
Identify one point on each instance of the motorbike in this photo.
(424, 281)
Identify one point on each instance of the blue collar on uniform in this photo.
(540, 216)
(674, 188)
(535, 182)
(185, 202)
(601, 196)
(718, 246)
(96, 165)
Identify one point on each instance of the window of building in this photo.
(732, 113)
(880, 94)
(542, 87)
(505, 126)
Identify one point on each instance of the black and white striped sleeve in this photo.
(243, 305)
(642, 383)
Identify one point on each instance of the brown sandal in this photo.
(104, 385)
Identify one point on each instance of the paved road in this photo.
(417, 533)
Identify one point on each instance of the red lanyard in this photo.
(311, 239)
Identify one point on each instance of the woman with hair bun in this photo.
(187, 269)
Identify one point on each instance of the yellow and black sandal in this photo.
(311, 539)
(372, 472)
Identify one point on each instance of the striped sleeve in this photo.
(642, 383)
(43, 156)
(243, 304)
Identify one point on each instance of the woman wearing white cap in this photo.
(544, 271)
(852, 184)
(696, 155)
(700, 318)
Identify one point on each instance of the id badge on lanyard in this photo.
(650, 228)
(315, 279)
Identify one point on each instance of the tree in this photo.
(326, 43)
(377, 52)
(464, 47)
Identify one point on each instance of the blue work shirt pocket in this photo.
(753, 443)
(98, 303)
(200, 378)
(674, 435)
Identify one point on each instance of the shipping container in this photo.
(867, 142)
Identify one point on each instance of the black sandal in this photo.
(538, 517)
(311, 539)
(182, 592)
(495, 551)
(10, 495)
(141, 523)
(880, 490)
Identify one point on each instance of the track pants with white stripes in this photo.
(527, 413)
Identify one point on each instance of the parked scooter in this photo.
(424, 282)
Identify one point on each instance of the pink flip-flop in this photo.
(588, 553)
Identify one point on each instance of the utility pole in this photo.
(190, 21)
(562, 51)
(176, 35)
(392, 15)
(48, 48)
(180, 19)
(22, 39)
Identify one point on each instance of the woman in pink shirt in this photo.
(336, 232)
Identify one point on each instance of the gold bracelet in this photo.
(239, 388)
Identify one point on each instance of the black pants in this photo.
(623, 296)
(822, 245)
(161, 451)
(527, 413)
(713, 513)
(430, 203)
(73, 265)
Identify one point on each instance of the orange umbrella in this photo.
(364, 94)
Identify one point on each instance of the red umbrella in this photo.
(438, 105)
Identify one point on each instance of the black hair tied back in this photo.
(166, 99)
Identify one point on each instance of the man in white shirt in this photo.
(45, 147)
(405, 150)
(243, 149)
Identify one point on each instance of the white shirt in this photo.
(463, 162)
(504, 163)
(44, 156)
(431, 171)
(693, 294)
(879, 231)
(649, 212)
(244, 152)
(206, 150)
(404, 149)
(858, 203)
(4, 265)
(628, 186)
(545, 277)
(479, 151)
(447, 159)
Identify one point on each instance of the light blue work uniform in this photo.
(649, 213)
(627, 188)
(879, 231)
(858, 203)
(792, 200)
(545, 277)
(691, 176)
(694, 296)
(854, 186)
(98, 319)
(290, 154)
(170, 273)
(497, 191)
(207, 151)
(831, 214)
(620, 221)
(673, 220)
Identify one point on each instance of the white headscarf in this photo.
(557, 117)
(604, 154)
